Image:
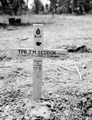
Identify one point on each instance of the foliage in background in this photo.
(38, 6)
(72, 6)
(15, 7)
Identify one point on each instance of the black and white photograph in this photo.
(45, 59)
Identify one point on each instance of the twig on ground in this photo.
(78, 72)
(24, 38)
(66, 68)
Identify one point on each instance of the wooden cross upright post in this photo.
(38, 53)
(37, 63)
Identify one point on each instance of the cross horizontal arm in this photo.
(31, 53)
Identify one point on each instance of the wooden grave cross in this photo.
(38, 53)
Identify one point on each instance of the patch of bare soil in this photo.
(67, 83)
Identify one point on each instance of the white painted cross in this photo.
(38, 53)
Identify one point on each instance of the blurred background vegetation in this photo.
(18, 7)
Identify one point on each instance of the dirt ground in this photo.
(67, 83)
